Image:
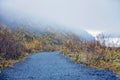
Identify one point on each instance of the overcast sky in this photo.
(93, 15)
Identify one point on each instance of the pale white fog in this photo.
(95, 15)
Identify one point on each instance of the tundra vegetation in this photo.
(17, 43)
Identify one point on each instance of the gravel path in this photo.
(53, 66)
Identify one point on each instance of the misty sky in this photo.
(93, 15)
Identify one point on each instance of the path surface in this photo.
(53, 66)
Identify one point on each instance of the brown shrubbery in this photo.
(16, 44)
(92, 54)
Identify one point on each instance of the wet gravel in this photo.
(53, 66)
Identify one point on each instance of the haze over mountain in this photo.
(96, 15)
(19, 19)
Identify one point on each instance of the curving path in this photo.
(53, 66)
